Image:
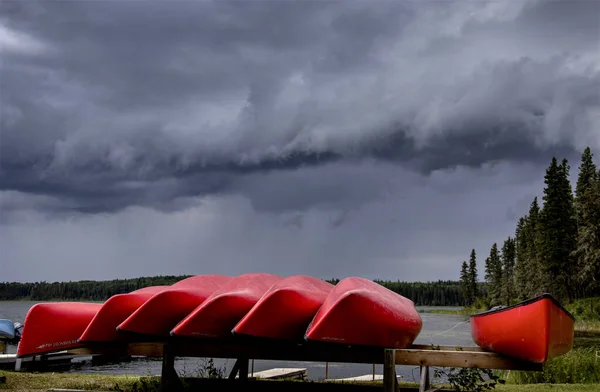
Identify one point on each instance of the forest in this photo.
(441, 293)
(555, 247)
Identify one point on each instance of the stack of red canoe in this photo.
(257, 305)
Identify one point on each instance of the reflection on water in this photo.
(438, 329)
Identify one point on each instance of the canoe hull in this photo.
(7, 329)
(161, 313)
(55, 326)
(103, 327)
(535, 330)
(286, 310)
(361, 312)
(218, 315)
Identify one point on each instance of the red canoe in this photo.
(361, 312)
(534, 330)
(286, 310)
(216, 317)
(55, 326)
(164, 310)
(117, 308)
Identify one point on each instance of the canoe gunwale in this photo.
(525, 303)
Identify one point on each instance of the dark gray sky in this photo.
(316, 137)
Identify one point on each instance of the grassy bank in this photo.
(39, 382)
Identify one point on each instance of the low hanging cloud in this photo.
(112, 109)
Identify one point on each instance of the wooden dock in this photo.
(281, 373)
(365, 378)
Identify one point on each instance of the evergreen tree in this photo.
(465, 282)
(473, 277)
(521, 260)
(558, 230)
(536, 280)
(508, 264)
(493, 276)
(587, 251)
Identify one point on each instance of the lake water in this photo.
(437, 329)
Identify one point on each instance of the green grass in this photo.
(549, 388)
(22, 381)
(586, 309)
(578, 366)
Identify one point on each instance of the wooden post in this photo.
(169, 379)
(252, 374)
(373, 372)
(326, 370)
(2, 347)
(234, 370)
(243, 369)
(389, 370)
(424, 386)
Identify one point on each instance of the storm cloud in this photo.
(328, 138)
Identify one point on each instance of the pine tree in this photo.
(464, 282)
(493, 276)
(508, 264)
(473, 277)
(558, 229)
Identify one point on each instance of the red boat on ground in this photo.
(216, 317)
(164, 310)
(534, 330)
(103, 327)
(286, 310)
(55, 326)
(361, 312)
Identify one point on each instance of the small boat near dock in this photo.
(7, 329)
(534, 330)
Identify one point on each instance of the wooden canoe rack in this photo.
(423, 356)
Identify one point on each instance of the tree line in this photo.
(555, 248)
(440, 293)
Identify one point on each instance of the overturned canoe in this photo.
(55, 326)
(361, 312)
(103, 327)
(219, 313)
(285, 310)
(534, 330)
(7, 329)
(164, 310)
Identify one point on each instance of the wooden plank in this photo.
(466, 359)
(277, 373)
(446, 348)
(364, 378)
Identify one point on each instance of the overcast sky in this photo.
(375, 139)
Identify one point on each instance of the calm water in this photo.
(437, 329)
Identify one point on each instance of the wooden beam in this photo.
(466, 359)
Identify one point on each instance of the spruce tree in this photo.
(464, 282)
(521, 259)
(587, 202)
(493, 276)
(473, 277)
(558, 229)
(536, 280)
(508, 264)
